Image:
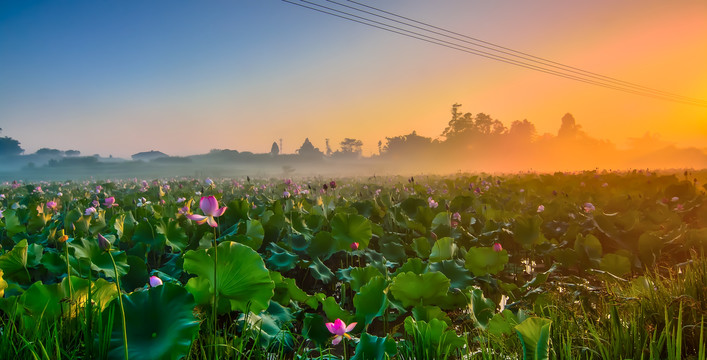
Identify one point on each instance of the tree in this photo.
(328, 148)
(407, 144)
(569, 128)
(522, 131)
(459, 123)
(10, 147)
(274, 149)
(351, 146)
(72, 153)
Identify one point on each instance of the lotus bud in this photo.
(103, 243)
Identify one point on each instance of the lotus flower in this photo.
(332, 184)
(51, 205)
(541, 208)
(103, 243)
(209, 205)
(90, 211)
(109, 202)
(354, 246)
(155, 281)
(286, 194)
(497, 247)
(340, 329)
(589, 207)
(433, 204)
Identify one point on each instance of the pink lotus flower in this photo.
(90, 211)
(155, 281)
(457, 216)
(51, 205)
(209, 205)
(354, 246)
(541, 208)
(588, 207)
(340, 329)
(432, 203)
(497, 247)
(109, 202)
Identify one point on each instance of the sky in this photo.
(184, 77)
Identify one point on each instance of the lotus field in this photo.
(593, 265)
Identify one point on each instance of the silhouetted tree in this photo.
(569, 127)
(459, 124)
(328, 148)
(274, 149)
(10, 146)
(72, 153)
(407, 144)
(48, 151)
(522, 131)
(353, 146)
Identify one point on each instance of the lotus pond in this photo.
(594, 265)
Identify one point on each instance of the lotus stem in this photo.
(215, 314)
(120, 302)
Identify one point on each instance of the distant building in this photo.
(149, 155)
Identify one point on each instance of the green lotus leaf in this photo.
(137, 276)
(160, 324)
(482, 309)
(333, 311)
(443, 249)
(649, 247)
(314, 328)
(426, 289)
(527, 232)
(351, 228)
(429, 312)
(174, 235)
(371, 347)
(422, 247)
(299, 242)
(100, 260)
(460, 278)
(242, 277)
(322, 246)
(440, 220)
(286, 289)
(372, 300)
(485, 260)
(252, 234)
(13, 225)
(503, 323)
(54, 262)
(358, 277)
(414, 265)
(588, 247)
(616, 264)
(392, 248)
(534, 334)
(147, 234)
(14, 263)
(320, 271)
(281, 259)
(411, 205)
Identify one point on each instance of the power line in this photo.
(523, 55)
(596, 79)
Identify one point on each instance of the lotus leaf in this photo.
(314, 328)
(485, 260)
(459, 277)
(281, 259)
(372, 300)
(350, 228)
(534, 334)
(371, 347)
(482, 309)
(333, 311)
(413, 289)
(154, 333)
(429, 312)
(100, 260)
(443, 249)
(242, 277)
(320, 271)
(421, 246)
(322, 246)
(527, 231)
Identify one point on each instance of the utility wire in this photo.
(510, 51)
(537, 66)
